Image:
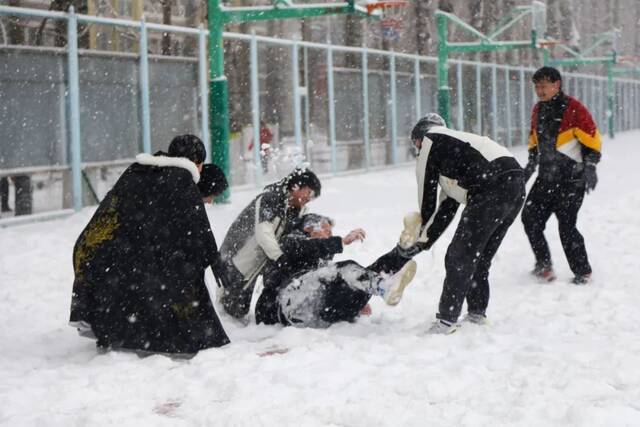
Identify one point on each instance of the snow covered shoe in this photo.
(544, 274)
(582, 280)
(84, 328)
(477, 318)
(394, 286)
(442, 327)
(409, 235)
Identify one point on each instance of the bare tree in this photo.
(60, 26)
(237, 67)
(15, 29)
(423, 18)
(636, 42)
(166, 19)
(353, 37)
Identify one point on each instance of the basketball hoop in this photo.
(391, 14)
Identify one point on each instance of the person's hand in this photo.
(219, 271)
(366, 310)
(357, 234)
(590, 177)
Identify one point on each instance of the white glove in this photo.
(412, 224)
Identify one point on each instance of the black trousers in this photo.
(484, 223)
(4, 193)
(342, 302)
(237, 292)
(564, 199)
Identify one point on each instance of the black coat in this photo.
(301, 255)
(139, 263)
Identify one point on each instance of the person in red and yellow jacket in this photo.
(564, 145)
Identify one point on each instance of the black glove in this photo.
(219, 270)
(412, 251)
(590, 177)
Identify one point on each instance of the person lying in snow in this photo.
(139, 264)
(306, 289)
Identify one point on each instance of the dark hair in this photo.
(189, 146)
(303, 177)
(212, 181)
(546, 73)
(425, 124)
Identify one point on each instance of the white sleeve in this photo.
(265, 232)
(266, 239)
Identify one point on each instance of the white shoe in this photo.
(442, 327)
(477, 318)
(398, 282)
(409, 235)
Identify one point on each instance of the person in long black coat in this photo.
(139, 264)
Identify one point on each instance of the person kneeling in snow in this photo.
(306, 289)
(253, 238)
(139, 264)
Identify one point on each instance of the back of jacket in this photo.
(302, 254)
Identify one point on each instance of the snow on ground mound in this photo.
(554, 354)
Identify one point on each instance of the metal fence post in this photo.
(332, 110)
(494, 102)
(478, 100)
(365, 108)
(255, 108)
(394, 112)
(523, 113)
(307, 107)
(144, 88)
(460, 96)
(297, 108)
(204, 89)
(74, 107)
(418, 89)
(507, 88)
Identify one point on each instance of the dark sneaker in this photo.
(544, 274)
(477, 318)
(582, 280)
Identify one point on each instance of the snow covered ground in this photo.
(554, 354)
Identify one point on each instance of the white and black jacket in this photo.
(461, 163)
(253, 237)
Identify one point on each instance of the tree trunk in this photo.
(422, 26)
(166, 20)
(353, 37)
(277, 83)
(636, 31)
(192, 11)
(15, 29)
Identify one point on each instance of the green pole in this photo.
(218, 95)
(546, 56)
(610, 99)
(444, 100)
